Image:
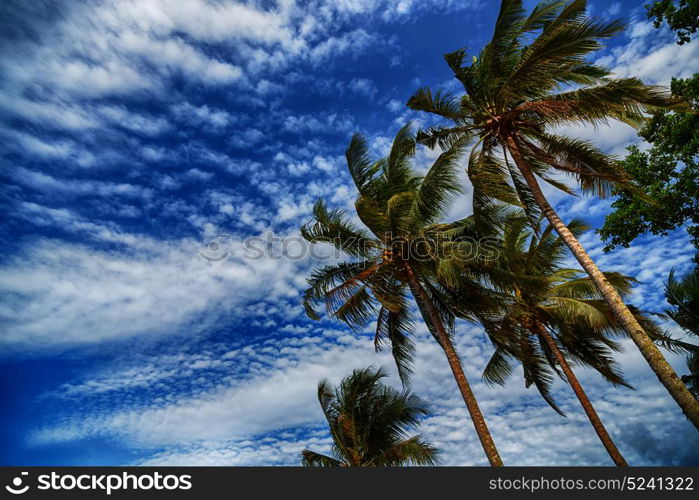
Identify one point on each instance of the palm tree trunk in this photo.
(657, 362)
(604, 436)
(459, 375)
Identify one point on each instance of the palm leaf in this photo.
(330, 226)
(395, 328)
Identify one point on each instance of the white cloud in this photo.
(202, 115)
(613, 10)
(195, 173)
(363, 86)
(63, 294)
(47, 183)
(328, 165)
(394, 105)
(612, 138)
(140, 124)
(48, 148)
(213, 22)
(247, 138)
(354, 41)
(110, 77)
(652, 56)
(176, 55)
(51, 114)
(328, 123)
(269, 414)
(246, 408)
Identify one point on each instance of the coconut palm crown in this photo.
(401, 209)
(370, 424)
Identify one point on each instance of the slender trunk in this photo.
(459, 375)
(604, 436)
(662, 369)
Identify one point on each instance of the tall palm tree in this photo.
(369, 423)
(532, 77)
(553, 316)
(400, 208)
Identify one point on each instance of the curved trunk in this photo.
(604, 436)
(459, 375)
(657, 362)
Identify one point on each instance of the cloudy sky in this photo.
(138, 137)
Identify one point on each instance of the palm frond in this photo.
(564, 42)
(498, 369)
(683, 294)
(439, 186)
(412, 451)
(373, 216)
(360, 166)
(369, 423)
(441, 103)
(624, 99)
(524, 194)
(489, 177)
(397, 170)
(312, 459)
(331, 226)
(395, 328)
(356, 306)
(596, 172)
(326, 281)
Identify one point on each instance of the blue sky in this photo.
(136, 132)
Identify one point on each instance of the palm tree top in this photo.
(370, 424)
(400, 209)
(532, 77)
(535, 70)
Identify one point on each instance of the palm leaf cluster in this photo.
(370, 424)
(532, 78)
(562, 300)
(400, 209)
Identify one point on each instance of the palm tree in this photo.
(529, 79)
(555, 310)
(369, 423)
(400, 208)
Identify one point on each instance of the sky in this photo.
(143, 143)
